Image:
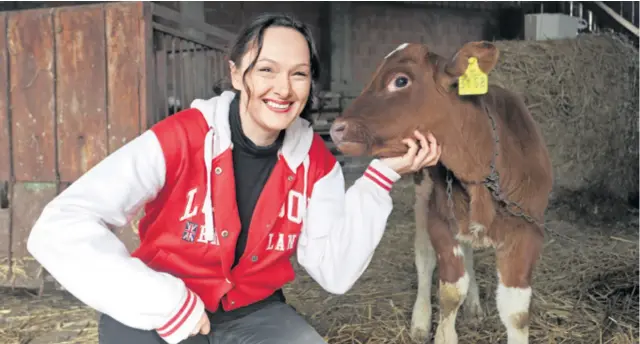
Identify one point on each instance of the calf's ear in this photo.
(486, 53)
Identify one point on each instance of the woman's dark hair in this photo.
(254, 33)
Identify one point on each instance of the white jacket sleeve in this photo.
(342, 230)
(72, 241)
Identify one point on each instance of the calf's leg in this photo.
(516, 259)
(425, 260)
(472, 307)
(454, 280)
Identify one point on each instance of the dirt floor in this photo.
(586, 287)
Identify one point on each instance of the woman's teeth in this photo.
(278, 105)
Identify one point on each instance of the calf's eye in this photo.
(401, 81)
(398, 82)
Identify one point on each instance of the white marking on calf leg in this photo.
(457, 251)
(400, 47)
(425, 260)
(513, 307)
(471, 307)
(452, 295)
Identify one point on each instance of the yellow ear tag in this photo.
(474, 81)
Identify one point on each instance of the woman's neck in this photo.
(257, 135)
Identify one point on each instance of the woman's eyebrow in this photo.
(266, 59)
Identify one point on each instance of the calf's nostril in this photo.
(339, 127)
(337, 131)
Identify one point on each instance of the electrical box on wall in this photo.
(543, 26)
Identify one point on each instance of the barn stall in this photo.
(586, 283)
(78, 82)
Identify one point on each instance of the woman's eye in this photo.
(265, 69)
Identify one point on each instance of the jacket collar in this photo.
(297, 140)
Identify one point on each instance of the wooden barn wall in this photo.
(57, 120)
(377, 29)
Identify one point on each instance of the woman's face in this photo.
(279, 82)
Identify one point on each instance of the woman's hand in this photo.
(202, 327)
(415, 159)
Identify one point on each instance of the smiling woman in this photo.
(280, 58)
(201, 276)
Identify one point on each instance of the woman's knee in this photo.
(111, 331)
(277, 323)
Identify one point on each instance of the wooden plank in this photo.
(146, 66)
(29, 198)
(5, 246)
(5, 153)
(48, 282)
(124, 51)
(31, 73)
(81, 89)
(5, 232)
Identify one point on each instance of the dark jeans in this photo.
(277, 323)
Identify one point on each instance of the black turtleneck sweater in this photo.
(252, 167)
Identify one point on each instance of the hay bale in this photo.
(584, 94)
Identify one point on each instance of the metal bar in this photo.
(174, 80)
(177, 17)
(207, 70)
(195, 72)
(162, 74)
(191, 67)
(199, 76)
(186, 71)
(186, 36)
(220, 69)
(180, 55)
(617, 17)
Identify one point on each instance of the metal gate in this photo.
(187, 64)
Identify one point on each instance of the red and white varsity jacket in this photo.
(181, 172)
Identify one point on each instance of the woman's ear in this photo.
(236, 76)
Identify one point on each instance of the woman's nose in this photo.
(283, 86)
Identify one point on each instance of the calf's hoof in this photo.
(446, 337)
(420, 334)
(472, 311)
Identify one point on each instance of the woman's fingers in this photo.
(422, 155)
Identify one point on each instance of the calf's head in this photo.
(411, 89)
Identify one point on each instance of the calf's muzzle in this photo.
(337, 130)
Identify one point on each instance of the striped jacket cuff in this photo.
(381, 175)
(184, 321)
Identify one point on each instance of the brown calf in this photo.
(490, 188)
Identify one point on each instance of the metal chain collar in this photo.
(492, 182)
